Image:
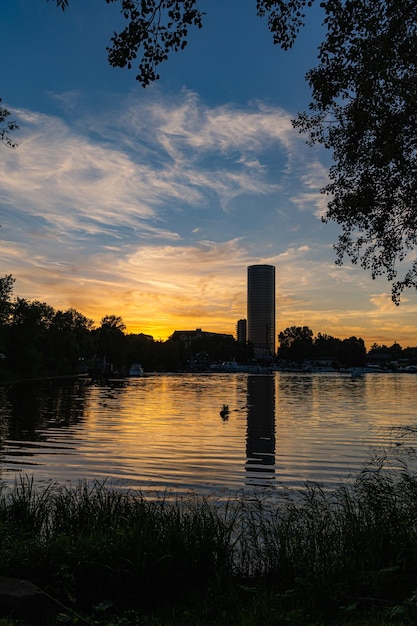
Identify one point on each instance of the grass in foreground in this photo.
(346, 558)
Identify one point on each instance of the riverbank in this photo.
(14, 380)
(346, 557)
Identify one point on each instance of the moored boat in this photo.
(136, 370)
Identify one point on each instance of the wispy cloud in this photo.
(152, 209)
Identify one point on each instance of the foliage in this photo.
(343, 557)
(326, 346)
(285, 18)
(158, 27)
(68, 340)
(6, 127)
(61, 3)
(112, 544)
(6, 291)
(295, 343)
(6, 288)
(27, 335)
(364, 109)
(42, 340)
(394, 352)
(109, 339)
(113, 323)
(352, 352)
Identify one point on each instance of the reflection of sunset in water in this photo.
(166, 431)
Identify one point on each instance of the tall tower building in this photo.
(261, 308)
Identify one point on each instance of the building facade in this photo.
(188, 336)
(261, 309)
(241, 332)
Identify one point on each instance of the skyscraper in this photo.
(261, 308)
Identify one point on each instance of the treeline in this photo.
(298, 344)
(37, 340)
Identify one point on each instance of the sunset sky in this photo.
(151, 203)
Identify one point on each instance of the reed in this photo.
(316, 558)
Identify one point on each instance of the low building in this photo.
(188, 336)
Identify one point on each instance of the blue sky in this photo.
(150, 203)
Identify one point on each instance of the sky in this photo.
(149, 204)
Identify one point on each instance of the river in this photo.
(166, 432)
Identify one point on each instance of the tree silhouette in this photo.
(295, 344)
(6, 127)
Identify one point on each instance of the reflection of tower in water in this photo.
(260, 434)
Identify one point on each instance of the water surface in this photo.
(166, 431)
